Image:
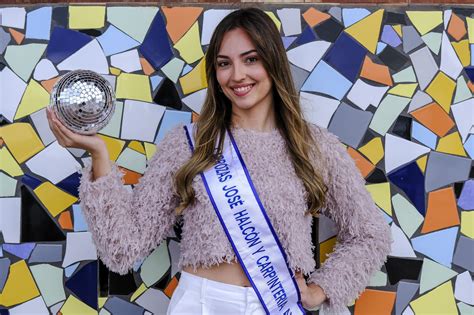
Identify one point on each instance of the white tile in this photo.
(196, 100)
(463, 113)
(401, 246)
(128, 61)
(90, 57)
(40, 122)
(450, 63)
(79, 247)
(54, 163)
(363, 94)
(399, 151)
(318, 109)
(10, 221)
(425, 66)
(300, 57)
(16, 87)
(13, 17)
(132, 160)
(418, 100)
(464, 288)
(153, 300)
(210, 20)
(447, 17)
(290, 21)
(141, 120)
(44, 70)
(34, 306)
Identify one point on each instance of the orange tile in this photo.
(171, 287)
(48, 84)
(433, 117)
(457, 27)
(179, 20)
(375, 302)
(146, 66)
(365, 167)
(314, 17)
(375, 72)
(17, 36)
(130, 177)
(441, 211)
(65, 220)
(471, 86)
(194, 117)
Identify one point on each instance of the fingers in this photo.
(58, 129)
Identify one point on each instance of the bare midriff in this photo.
(230, 273)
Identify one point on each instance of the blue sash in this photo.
(249, 230)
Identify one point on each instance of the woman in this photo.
(298, 170)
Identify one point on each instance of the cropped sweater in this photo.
(126, 225)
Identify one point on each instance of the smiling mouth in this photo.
(242, 91)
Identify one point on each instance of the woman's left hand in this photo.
(312, 295)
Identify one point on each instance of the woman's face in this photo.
(241, 73)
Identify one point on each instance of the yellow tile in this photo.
(115, 71)
(189, 46)
(138, 292)
(114, 146)
(20, 286)
(441, 89)
(381, 195)
(196, 79)
(73, 306)
(425, 21)
(150, 149)
(404, 89)
(467, 223)
(134, 86)
(367, 30)
(101, 301)
(53, 198)
(463, 51)
(86, 17)
(451, 144)
(398, 29)
(34, 98)
(421, 162)
(325, 248)
(137, 146)
(373, 150)
(8, 163)
(21, 140)
(275, 19)
(438, 301)
(470, 29)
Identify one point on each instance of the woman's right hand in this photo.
(69, 139)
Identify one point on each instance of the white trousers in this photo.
(196, 295)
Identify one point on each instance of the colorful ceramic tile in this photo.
(364, 166)
(465, 309)
(350, 134)
(195, 100)
(463, 113)
(128, 61)
(433, 41)
(462, 90)
(423, 135)
(64, 43)
(20, 286)
(466, 200)
(173, 69)
(174, 249)
(8, 163)
(390, 36)
(291, 20)
(84, 284)
(133, 86)
(34, 99)
(401, 246)
(463, 52)
(404, 89)
(407, 215)
(13, 17)
(22, 250)
(367, 30)
(75, 306)
(463, 255)
(154, 300)
(387, 112)
(433, 274)
(376, 72)
(44, 70)
(170, 119)
(34, 306)
(381, 195)
(451, 144)
(467, 223)
(434, 118)
(132, 160)
(46, 253)
(378, 279)
(375, 301)
(353, 15)
(300, 58)
(79, 247)
(405, 293)
(363, 94)
(179, 20)
(313, 16)
(7, 185)
(405, 75)
(50, 283)
(21, 140)
(90, 57)
(373, 150)
(118, 306)
(15, 85)
(299, 76)
(464, 288)
(86, 17)
(308, 35)
(54, 199)
(439, 300)
(437, 245)
(156, 47)
(444, 169)
(155, 265)
(318, 109)
(425, 21)
(425, 66)
(5, 38)
(457, 27)
(399, 151)
(114, 146)
(38, 23)
(441, 210)
(140, 120)
(113, 127)
(411, 181)
(211, 18)
(469, 146)
(450, 63)
(22, 59)
(392, 58)
(411, 39)
(189, 45)
(274, 19)
(114, 41)
(323, 79)
(195, 80)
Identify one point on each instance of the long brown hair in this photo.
(216, 112)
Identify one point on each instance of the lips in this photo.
(242, 90)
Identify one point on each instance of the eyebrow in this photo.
(241, 55)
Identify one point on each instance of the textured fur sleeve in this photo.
(127, 225)
(364, 238)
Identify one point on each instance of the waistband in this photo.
(216, 289)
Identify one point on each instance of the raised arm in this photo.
(364, 238)
(127, 225)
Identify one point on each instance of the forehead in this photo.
(235, 42)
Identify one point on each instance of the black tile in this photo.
(103, 279)
(403, 269)
(458, 188)
(167, 95)
(91, 32)
(121, 285)
(329, 30)
(394, 59)
(60, 16)
(464, 11)
(395, 18)
(376, 177)
(402, 127)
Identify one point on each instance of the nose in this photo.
(238, 73)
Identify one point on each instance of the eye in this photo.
(221, 64)
(252, 59)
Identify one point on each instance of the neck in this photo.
(259, 118)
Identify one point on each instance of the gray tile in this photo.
(444, 169)
(4, 40)
(4, 267)
(299, 76)
(411, 39)
(425, 66)
(405, 292)
(464, 253)
(352, 133)
(47, 253)
(175, 250)
(154, 300)
(117, 306)
(420, 99)
(41, 124)
(336, 12)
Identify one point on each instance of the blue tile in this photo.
(186, 69)
(30, 181)
(410, 179)
(156, 46)
(470, 72)
(423, 135)
(349, 64)
(438, 245)
(114, 41)
(390, 37)
(69, 270)
(380, 47)
(306, 36)
(80, 224)
(288, 40)
(324, 79)
(353, 15)
(64, 43)
(170, 119)
(22, 250)
(466, 199)
(84, 284)
(469, 146)
(71, 184)
(38, 23)
(155, 81)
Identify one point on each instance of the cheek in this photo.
(221, 77)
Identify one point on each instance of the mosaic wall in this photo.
(393, 84)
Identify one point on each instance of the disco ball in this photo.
(83, 101)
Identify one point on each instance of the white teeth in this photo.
(243, 89)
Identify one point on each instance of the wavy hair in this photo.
(215, 116)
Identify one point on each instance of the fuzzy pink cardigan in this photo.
(127, 226)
